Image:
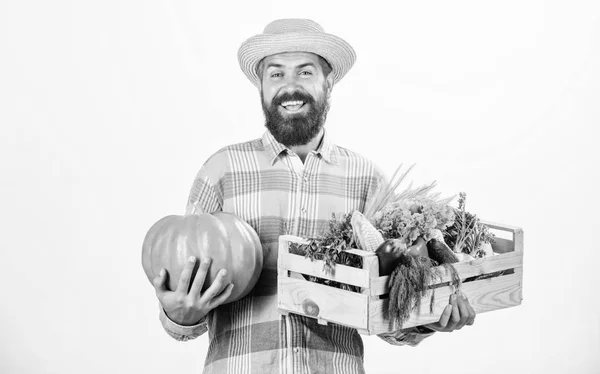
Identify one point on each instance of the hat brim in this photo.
(336, 51)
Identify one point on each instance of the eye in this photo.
(276, 75)
(305, 72)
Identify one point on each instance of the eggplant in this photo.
(440, 252)
(389, 254)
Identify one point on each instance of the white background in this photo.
(109, 108)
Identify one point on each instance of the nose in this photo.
(291, 82)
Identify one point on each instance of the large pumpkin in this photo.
(230, 242)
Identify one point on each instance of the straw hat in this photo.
(295, 35)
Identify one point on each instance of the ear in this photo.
(329, 83)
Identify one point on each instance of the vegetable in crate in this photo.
(440, 252)
(468, 234)
(416, 223)
(409, 284)
(229, 241)
(411, 278)
(330, 247)
(367, 236)
(389, 254)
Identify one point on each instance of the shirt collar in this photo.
(326, 149)
(273, 148)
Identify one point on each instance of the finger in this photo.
(445, 317)
(184, 280)
(472, 313)
(455, 318)
(199, 279)
(222, 297)
(215, 288)
(159, 283)
(463, 310)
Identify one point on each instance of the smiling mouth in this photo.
(293, 106)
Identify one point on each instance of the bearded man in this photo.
(289, 181)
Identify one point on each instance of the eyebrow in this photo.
(274, 65)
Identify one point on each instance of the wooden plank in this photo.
(501, 226)
(371, 268)
(322, 302)
(480, 266)
(485, 265)
(518, 239)
(484, 296)
(360, 252)
(341, 273)
(506, 245)
(291, 238)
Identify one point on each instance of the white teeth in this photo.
(288, 103)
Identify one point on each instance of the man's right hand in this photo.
(187, 308)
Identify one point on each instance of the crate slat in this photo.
(484, 295)
(341, 273)
(481, 266)
(360, 252)
(501, 226)
(315, 300)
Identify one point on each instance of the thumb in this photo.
(159, 282)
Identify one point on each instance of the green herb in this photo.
(330, 248)
(467, 234)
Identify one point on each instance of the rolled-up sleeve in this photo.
(412, 336)
(179, 332)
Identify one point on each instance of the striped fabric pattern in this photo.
(264, 183)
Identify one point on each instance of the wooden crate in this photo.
(367, 311)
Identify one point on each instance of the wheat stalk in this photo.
(386, 193)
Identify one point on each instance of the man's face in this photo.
(295, 95)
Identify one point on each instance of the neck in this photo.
(303, 150)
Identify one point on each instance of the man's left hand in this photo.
(456, 315)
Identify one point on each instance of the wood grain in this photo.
(486, 265)
(333, 304)
(341, 273)
(484, 296)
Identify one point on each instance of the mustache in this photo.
(293, 96)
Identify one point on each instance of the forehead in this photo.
(291, 59)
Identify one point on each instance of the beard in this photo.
(295, 129)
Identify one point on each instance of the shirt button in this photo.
(303, 210)
(296, 350)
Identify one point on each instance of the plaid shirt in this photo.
(267, 185)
